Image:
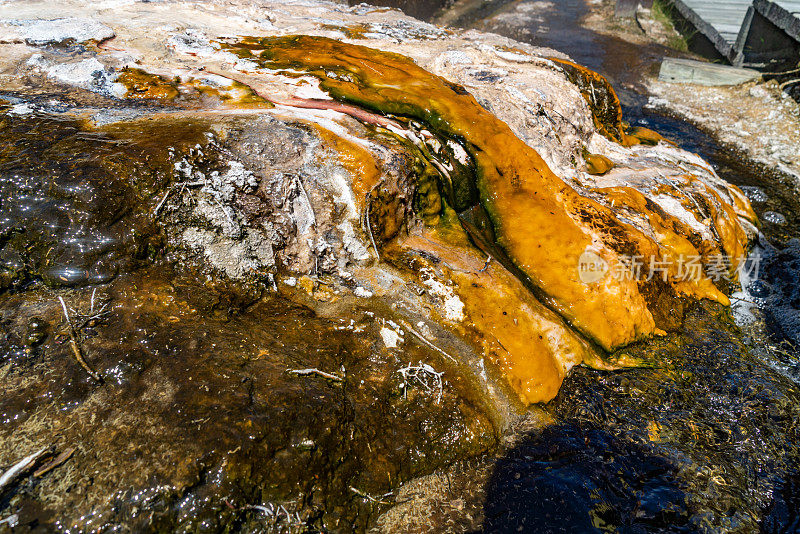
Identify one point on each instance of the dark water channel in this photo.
(705, 440)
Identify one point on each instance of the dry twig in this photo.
(163, 199)
(423, 375)
(368, 497)
(278, 516)
(784, 73)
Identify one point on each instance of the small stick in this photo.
(228, 215)
(20, 467)
(368, 224)
(780, 73)
(422, 338)
(369, 497)
(786, 84)
(323, 374)
(308, 199)
(95, 317)
(163, 199)
(76, 349)
(501, 344)
(52, 464)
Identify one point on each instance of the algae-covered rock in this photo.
(206, 416)
(538, 224)
(314, 251)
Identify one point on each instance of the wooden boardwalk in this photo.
(783, 13)
(737, 28)
(718, 20)
(723, 18)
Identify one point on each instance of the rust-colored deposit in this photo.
(541, 223)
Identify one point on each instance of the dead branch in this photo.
(20, 467)
(422, 375)
(277, 514)
(163, 199)
(368, 497)
(784, 73)
(323, 374)
(367, 220)
(76, 349)
(424, 340)
(55, 462)
(308, 199)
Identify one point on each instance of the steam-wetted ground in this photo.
(705, 440)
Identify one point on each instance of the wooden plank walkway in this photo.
(785, 14)
(728, 24)
(719, 20)
(676, 70)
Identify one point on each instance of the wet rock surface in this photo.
(197, 422)
(429, 156)
(296, 292)
(702, 440)
(72, 202)
(199, 417)
(767, 357)
(728, 443)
